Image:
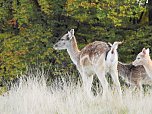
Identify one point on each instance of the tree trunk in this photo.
(150, 11)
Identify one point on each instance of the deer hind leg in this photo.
(101, 76)
(115, 78)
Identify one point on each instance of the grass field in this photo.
(33, 97)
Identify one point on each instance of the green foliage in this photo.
(22, 10)
(111, 12)
(29, 28)
(2, 90)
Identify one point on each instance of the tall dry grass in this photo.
(32, 96)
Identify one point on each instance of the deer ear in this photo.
(147, 51)
(72, 32)
(144, 51)
(69, 35)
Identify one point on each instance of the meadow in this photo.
(33, 96)
(30, 28)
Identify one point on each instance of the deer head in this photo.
(142, 58)
(65, 41)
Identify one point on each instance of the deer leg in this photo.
(101, 76)
(132, 87)
(139, 85)
(140, 89)
(87, 83)
(114, 75)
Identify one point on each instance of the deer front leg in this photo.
(87, 83)
(139, 88)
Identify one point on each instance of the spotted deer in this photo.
(90, 60)
(143, 58)
(135, 76)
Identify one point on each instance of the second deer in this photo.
(135, 76)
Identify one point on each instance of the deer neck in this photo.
(74, 51)
(148, 68)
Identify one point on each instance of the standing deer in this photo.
(143, 58)
(90, 60)
(135, 76)
(112, 63)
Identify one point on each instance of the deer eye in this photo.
(62, 39)
(138, 58)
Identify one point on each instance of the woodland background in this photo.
(29, 28)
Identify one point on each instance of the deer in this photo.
(135, 76)
(143, 58)
(91, 60)
(112, 63)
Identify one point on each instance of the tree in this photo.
(150, 11)
(29, 28)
